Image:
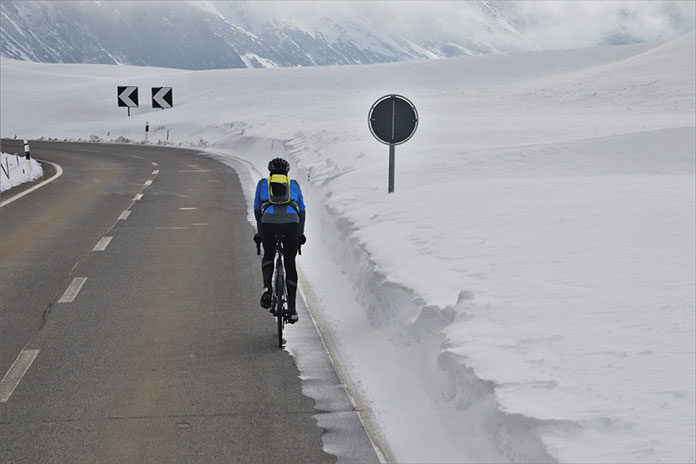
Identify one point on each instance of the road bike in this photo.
(279, 299)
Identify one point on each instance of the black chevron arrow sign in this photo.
(162, 97)
(127, 96)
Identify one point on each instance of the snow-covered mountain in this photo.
(194, 35)
(210, 35)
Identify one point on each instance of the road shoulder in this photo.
(49, 171)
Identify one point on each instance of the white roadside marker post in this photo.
(27, 154)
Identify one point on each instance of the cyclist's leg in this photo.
(269, 231)
(291, 232)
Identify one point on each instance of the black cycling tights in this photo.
(292, 236)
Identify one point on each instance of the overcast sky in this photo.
(575, 23)
(546, 24)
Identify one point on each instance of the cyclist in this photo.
(280, 210)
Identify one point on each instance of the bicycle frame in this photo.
(279, 291)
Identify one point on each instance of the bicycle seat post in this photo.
(279, 239)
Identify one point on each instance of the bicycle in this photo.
(279, 307)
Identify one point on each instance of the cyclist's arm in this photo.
(257, 207)
(302, 222)
(259, 224)
(301, 213)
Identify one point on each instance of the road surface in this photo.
(130, 329)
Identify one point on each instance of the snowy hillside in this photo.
(526, 294)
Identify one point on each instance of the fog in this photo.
(542, 24)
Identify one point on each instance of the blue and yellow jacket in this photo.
(268, 213)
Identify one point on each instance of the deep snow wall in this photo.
(414, 329)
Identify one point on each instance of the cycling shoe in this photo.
(266, 298)
(292, 318)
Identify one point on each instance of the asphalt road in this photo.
(163, 354)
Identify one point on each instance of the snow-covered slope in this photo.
(526, 294)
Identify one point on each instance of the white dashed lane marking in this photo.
(124, 215)
(148, 182)
(72, 290)
(154, 163)
(13, 376)
(155, 172)
(172, 227)
(188, 208)
(138, 197)
(200, 224)
(102, 244)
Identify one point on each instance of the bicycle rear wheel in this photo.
(280, 312)
(279, 318)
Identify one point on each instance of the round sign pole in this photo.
(392, 161)
(392, 120)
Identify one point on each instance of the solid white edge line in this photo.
(102, 244)
(72, 290)
(59, 172)
(14, 375)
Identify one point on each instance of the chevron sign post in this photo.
(127, 96)
(162, 97)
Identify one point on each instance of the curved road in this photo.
(154, 348)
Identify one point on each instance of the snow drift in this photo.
(17, 170)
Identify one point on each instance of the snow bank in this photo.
(16, 170)
(567, 341)
(526, 294)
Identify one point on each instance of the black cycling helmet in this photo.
(278, 166)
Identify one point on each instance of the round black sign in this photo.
(393, 119)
